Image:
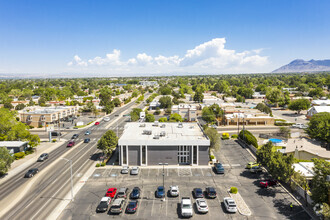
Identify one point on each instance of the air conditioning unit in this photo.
(163, 126)
(162, 133)
(142, 125)
(156, 137)
(155, 124)
(180, 125)
(147, 132)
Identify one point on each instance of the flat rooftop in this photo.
(165, 134)
(12, 143)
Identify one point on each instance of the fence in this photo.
(252, 148)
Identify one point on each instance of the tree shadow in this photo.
(96, 156)
(296, 212)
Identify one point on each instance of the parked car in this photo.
(267, 183)
(117, 206)
(124, 170)
(230, 204)
(299, 125)
(135, 194)
(174, 191)
(71, 144)
(43, 157)
(87, 140)
(202, 206)
(75, 136)
(256, 169)
(31, 172)
(88, 132)
(111, 192)
(97, 123)
(160, 192)
(104, 204)
(106, 119)
(134, 171)
(132, 206)
(122, 192)
(251, 164)
(218, 168)
(211, 193)
(198, 193)
(186, 207)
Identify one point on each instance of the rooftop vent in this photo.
(180, 125)
(163, 126)
(142, 125)
(156, 137)
(191, 127)
(155, 124)
(147, 132)
(162, 133)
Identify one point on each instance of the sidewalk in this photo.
(19, 165)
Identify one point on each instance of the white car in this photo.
(186, 207)
(230, 204)
(134, 171)
(299, 125)
(174, 190)
(106, 119)
(202, 206)
(124, 170)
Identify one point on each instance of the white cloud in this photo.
(208, 57)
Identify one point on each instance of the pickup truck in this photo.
(186, 207)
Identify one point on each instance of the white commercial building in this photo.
(145, 144)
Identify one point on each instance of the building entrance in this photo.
(184, 155)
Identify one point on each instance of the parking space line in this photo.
(137, 214)
(166, 207)
(148, 171)
(167, 171)
(178, 171)
(190, 172)
(152, 207)
(202, 172)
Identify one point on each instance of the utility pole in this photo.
(163, 176)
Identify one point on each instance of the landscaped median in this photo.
(241, 205)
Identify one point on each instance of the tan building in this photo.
(188, 112)
(248, 119)
(49, 115)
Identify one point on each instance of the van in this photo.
(117, 206)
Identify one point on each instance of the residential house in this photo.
(317, 109)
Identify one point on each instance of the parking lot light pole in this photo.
(71, 176)
(163, 177)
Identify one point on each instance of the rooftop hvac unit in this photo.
(155, 123)
(163, 126)
(142, 125)
(162, 133)
(156, 137)
(180, 125)
(147, 132)
(191, 127)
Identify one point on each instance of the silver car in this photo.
(134, 171)
(124, 170)
(202, 206)
(230, 204)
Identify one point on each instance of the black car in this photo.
(211, 193)
(104, 204)
(132, 206)
(30, 173)
(218, 168)
(135, 194)
(87, 140)
(198, 193)
(75, 136)
(43, 157)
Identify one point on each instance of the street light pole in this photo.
(163, 176)
(71, 176)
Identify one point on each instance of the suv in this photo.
(218, 168)
(135, 194)
(174, 191)
(117, 206)
(43, 157)
(186, 207)
(122, 193)
(211, 193)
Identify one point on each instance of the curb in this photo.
(241, 202)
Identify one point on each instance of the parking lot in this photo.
(271, 203)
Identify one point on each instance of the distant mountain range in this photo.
(304, 66)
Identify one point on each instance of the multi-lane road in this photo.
(36, 197)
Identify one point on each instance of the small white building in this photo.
(317, 109)
(305, 168)
(320, 102)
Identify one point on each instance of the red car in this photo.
(267, 183)
(111, 192)
(97, 123)
(71, 144)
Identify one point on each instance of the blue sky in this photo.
(135, 37)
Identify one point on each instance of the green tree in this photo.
(5, 160)
(175, 118)
(105, 97)
(208, 115)
(214, 137)
(264, 154)
(163, 119)
(319, 127)
(34, 140)
(150, 118)
(275, 96)
(299, 105)
(317, 92)
(165, 102)
(319, 183)
(42, 101)
(165, 90)
(135, 114)
(108, 142)
(198, 97)
(285, 132)
(20, 106)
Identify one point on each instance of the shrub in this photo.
(30, 151)
(102, 164)
(31, 127)
(212, 157)
(164, 119)
(54, 140)
(40, 126)
(225, 136)
(19, 155)
(98, 165)
(249, 138)
(233, 190)
(234, 136)
(283, 124)
(157, 112)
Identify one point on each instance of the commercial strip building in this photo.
(236, 118)
(187, 112)
(14, 146)
(49, 115)
(145, 144)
